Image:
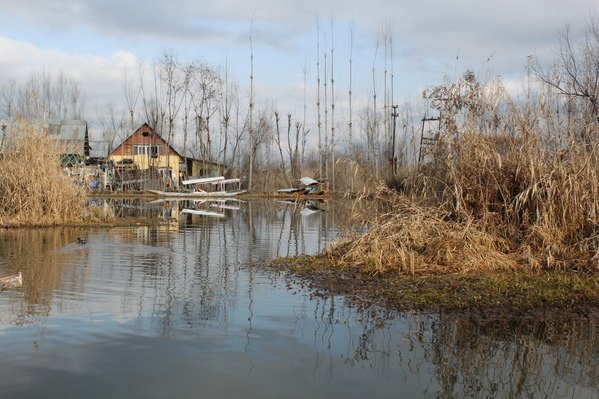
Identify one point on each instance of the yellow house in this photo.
(146, 149)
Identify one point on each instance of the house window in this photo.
(140, 149)
(155, 150)
(165, 172)
(145, 149)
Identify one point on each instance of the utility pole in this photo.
(394, 115)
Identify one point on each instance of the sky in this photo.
(100, 42)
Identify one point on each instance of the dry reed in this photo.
(488, 200)
(33, 189)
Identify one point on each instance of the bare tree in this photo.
(374, 134)
(175, 78)
(251, 108)
(131, 92)
(45, 95)
(230, 92)
(319, 123)
(351, 61)
(205, 89)
(8, 95)
(280, 146)
(113, 122)
(262, 134)
(575, 71)
(332, 143)
(151, 100)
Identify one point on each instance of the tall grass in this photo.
(33, 189)
(492, 198)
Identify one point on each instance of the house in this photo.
(192, 166)
(145, 149)
(70, 136)
(98, 151)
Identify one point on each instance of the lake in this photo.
(182, 309)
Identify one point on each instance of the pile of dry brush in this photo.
(33, 189)
(487, 200)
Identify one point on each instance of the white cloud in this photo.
(432, 39)
(100, 78)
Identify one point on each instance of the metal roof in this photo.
(99, 149)
(66, 129)
(69, 135)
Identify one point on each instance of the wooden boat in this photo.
(290, 190)
(219, 181)
(196, 194)
(307, 185)
(11, 281)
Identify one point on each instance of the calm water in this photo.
(175, 311)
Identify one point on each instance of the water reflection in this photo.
(549, 355)
(174, 309)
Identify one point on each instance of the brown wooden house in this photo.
(146, 149)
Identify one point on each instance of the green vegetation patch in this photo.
(521, 291)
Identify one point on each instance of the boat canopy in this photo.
(225, 181)
(203, 180)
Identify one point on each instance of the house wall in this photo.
(167, 157)
(206, 169)
(145, 162)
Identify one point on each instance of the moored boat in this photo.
(196, 194)
(219, 182)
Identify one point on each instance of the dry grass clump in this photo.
(541, 196)
(486, 202)
(414, 239)
(33, 190)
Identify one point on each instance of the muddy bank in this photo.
(496, 292)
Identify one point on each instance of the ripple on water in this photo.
(156, 311)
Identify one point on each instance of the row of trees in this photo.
(203, 111)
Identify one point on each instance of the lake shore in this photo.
(498, 292)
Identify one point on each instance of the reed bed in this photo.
(487, 201)
(33, 189)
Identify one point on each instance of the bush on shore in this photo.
(33, 189)
(505, 187)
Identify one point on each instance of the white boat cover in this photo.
(226, 181)
(203, 180)
(308, 181)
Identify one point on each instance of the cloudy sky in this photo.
(100, 41)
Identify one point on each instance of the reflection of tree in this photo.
(510, 357)
(46, 265)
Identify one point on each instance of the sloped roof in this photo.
(60, 129)
(69, 133)
(99, 149)
(148, 128)
(187, 153)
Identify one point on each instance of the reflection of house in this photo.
(146, 149)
